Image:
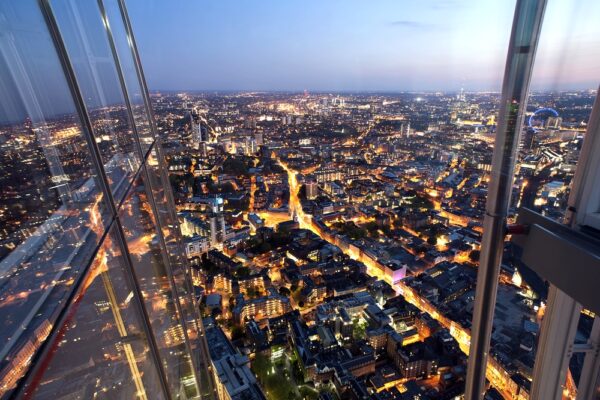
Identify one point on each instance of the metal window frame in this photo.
(146, 177)
(526, 26)
(167, 188)
(584, 200)
(525, 33)
(589, 381)
(559, 325)
(27, 384)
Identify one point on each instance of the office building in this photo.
(312, 189)
(233, 377)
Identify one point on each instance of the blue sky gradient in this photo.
(387, 45)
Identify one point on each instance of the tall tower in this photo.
(199, 135)
(528, 138)
(52, 155)
(217, 221)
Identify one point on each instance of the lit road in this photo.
(496, 374)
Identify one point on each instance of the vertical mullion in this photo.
(102, 180)
(138, 67)
(145, 173)
(149, 185)
(584, 198)
(81, 108)
(161, 166)
(555, 345)
(583, 201)
(517, 75)
(589, 381)
(191, 296)
(117, 64)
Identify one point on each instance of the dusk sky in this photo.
(390, 45)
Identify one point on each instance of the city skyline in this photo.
(378, 222)
(388, 48)
(357, 47)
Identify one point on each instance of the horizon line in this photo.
(366, 91)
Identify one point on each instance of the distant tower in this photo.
(528, 138)
(517, 280)
(199, 135)
(217, 221)
(258, 138)
(554, 122)
(203, 133)
(52, 155)
(250, 146)
(405, 130)
(213, 230)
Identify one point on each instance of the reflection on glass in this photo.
(551, 138)
(101, 351)
(150, 266)
(51, 211)
(127, 64)
(54, 220)
(85, 38)
(170, 230)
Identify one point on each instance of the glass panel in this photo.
(134, 91)
(563, 84)
(170, 230)
(150, 265)
(51, 211)
(101, 351)
(86, 41)
(562, 94)
(179, 265)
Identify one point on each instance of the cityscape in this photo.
(335, 237)
(274, 244)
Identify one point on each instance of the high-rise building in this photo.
(312, 189)
(95, 293)
(527, 141)
(199, 134)
(258, 138)
(216, 221)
